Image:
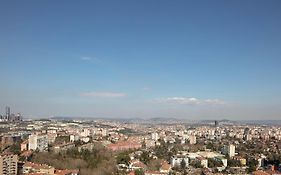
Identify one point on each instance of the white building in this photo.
(224, 162)
(192, 139)
(73, 138)
(154, 136)
(229, 150)
(176, 160)
(85, 133)
(39, 142)
(85, 139)
(203, 162)
(104, 132)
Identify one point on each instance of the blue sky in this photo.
(185, 59)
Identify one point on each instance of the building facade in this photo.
(8, 164)
(39, 142)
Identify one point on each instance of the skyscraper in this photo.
(229, 150)
(8, 113)
(216, 123)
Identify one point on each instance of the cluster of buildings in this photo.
(29, 168)
(10, 117)
(10, 165)
(57, 136)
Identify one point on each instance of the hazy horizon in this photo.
(117, 59)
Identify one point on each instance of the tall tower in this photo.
(231, 150)
(216, 123)
(8, 113)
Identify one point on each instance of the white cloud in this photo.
(90, 59)
(189, 101)
(146, 88)
(214, 101)
(86, 58)
(103, 94)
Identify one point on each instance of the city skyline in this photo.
(192, 60)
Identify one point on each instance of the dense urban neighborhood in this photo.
(64, 146)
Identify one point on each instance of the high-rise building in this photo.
(8, 164)
(8, 113)
(246, 135)
(18, 117)
(216, 123)
(229, 150)
(10, 117)
(246, 131)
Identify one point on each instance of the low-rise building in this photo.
(177, 160)
(165, 167)
(24, 145)
(63, 147)
(120, 146)
(155, 173)
(87, 146)
(136, 164)
(30, 167)
(66, 172)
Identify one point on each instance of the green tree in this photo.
(145, 157)
(196, 164)
(139, 172)
(154, 164)
(123, 158)
(183, 164)
(252, 165)
(15, 148)
(212, 163)
(233, 163)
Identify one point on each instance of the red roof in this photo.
(260, 173)
(131, 173)
(65, 172)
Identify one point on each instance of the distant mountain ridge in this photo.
(172, 120)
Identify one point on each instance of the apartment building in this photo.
(8, 164)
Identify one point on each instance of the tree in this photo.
(212, 163)
(162, 151)
(91, 162)
(196, 164)
(233, 163)
(62, 139)
(154, 164)
(139, 172)
(123, 158)
(145, 157)
(252, 165)
(176, 148)
(15, 148)
(183, 164)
